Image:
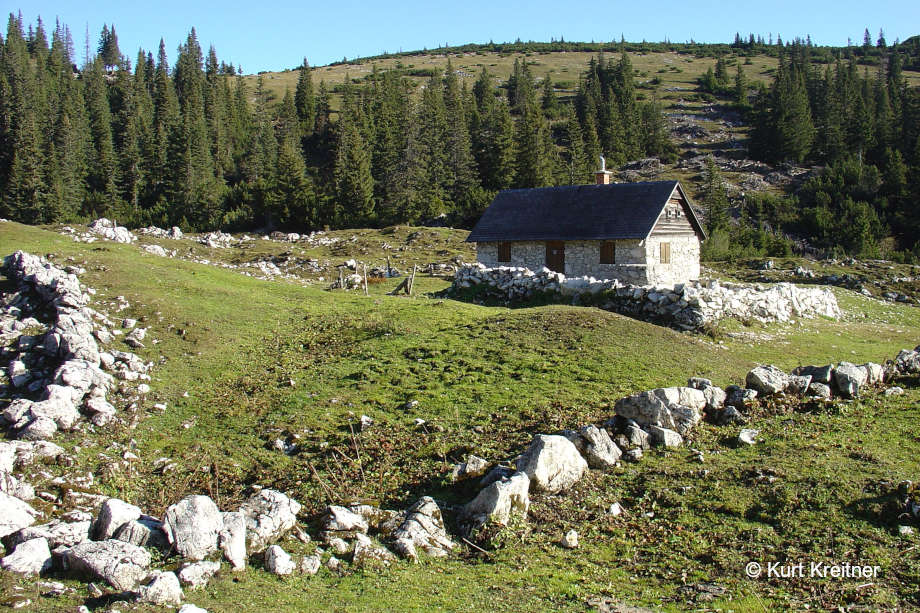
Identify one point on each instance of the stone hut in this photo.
(640, 233)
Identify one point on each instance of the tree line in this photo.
(189, 144)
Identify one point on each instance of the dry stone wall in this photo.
(687, 305)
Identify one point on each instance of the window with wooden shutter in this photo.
(665, 253)
(608, 252)
(504, 252)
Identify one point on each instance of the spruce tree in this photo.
(304, 100)
(354, 184)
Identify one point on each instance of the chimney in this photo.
(602, 176)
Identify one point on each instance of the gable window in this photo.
(504, 252)
(608, 252)
(665, 253)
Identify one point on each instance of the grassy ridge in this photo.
(487, 379)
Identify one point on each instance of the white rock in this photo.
(599, 450)
(309, 565)
(767, 380)
(197, 574)
(747, 436)
(192, 526)
(269, 514)
(497, 502)
(14, 515)
(233, 539)
(29, 558)
(570, 540)
(162, 588)
(422, 527)
(190, 608)
(552, 463)
(112, 515)
(121, 564)
(278, 562)
(665, 437)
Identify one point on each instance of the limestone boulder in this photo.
(498, 502)
(598, 448)
(849, 378)
(112, 515)
(162, 588)
(122, 565)
(552, 463)
(665, 437)
(422, 528)
(192, 526)
(269, 515)
(818, 374)
(767, 380)
(368, 554)
(29, 558)
(232, 539)
(145, 531)
(56, 533)
(278, 562)
(14, 515)
(197, 574)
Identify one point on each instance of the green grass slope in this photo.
(242, 362)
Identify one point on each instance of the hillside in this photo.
(700, 124)
(241, 363)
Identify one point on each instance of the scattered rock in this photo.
(599, 450)
(278, 562)
(367, 554)
(552, 463)
(192, 526)
(664, 436)
(747, 436)
(197, 574)
(162, 588)
(849, 378)
(570, 540)
(122, 565)
(894, 391)
(14, 514)
(422, 528)
(474, 466)
(113, 514)
(767, 380)
(232, 539)
(497, 502)
(309, 565)
(29, 558)
(145, 531)
(269, 514)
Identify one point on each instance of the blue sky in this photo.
(274, 35)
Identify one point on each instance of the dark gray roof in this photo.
(577, 212)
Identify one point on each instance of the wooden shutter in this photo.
(665, 253)
(504, 252)
(608, 252)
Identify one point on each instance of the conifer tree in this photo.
(354, 185)
(304, 100)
